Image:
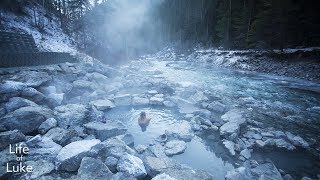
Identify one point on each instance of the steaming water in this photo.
(197, 155)
(281, 103)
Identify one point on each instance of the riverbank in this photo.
(301, 63)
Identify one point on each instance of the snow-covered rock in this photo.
(163, 176)
(156, 100)
(234, 120)
(47, 125)
(10, 137)
(246, 153)
(70, 156)
(103, 104)
(236, 174)
(140, 101)
(266, 171)
(12, 87)
(40, 168)
(40, 147)
(104, 131)
(71, 115)
(132, 165)
(175, 147)
(230, 146)
(297, 140)
(217, 107)
(123, 100)
(26, 119)
(91, 168)
(15, 103)
(181, 130)
(111, 162)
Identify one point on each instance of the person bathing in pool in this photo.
(143, 121)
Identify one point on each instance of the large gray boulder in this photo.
(12, 87)
(47, 125)
(132, 165)
(266, 171)
(236, 174)
(15, 103)
(111, 147)
(71, 115)
(26, 119)
(42, 147)
(156, 165)
(91, 168)
(70, 156)
(175, 147)
(33, 78)
(40, 168)
(163, 176)
(104, 131)
(233, 120)
(123, 100)
(297, 140)
(60, 135)
(103, 104)
(181, 130)
(10, 137)
(140, 101)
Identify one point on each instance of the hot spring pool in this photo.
(207, 155)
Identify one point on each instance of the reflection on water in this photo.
(197, 155)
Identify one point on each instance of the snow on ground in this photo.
(53, 39)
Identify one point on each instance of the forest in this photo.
(135, 26)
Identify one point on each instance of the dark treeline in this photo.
(243, 23)
(125, 28)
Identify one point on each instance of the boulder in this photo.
(141, 148)
(280, 143)
(104, 131)
(123, 100)
(181, 130)
(60, 136)
(12, 87)
(197, 97)
(155, 165)
(156, 101)
(70, 156)
(97, 77)
(71, 115)
(236, 174)
(230, 146)
(10, 137)
(140, 101)
(34, 78)
(266, 171)
(234, 120)
(15, 103)
(217, 107)
(132, 165)
(188, 174)
(40, 147)
(128, 139)
(26, 119)
(103, 104)
(40, 168)
(122, 176)
(91, 168)
(246, 153)
(111, 147)
(175, 147)
(112, 162)
(34, 95)
(297, 140)
(47, 125)
(163, 176)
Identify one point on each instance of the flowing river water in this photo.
(279, 103)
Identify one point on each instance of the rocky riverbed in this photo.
(61, 114)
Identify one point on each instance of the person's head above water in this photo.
(143, 114)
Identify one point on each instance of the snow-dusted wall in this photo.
(51, 39)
